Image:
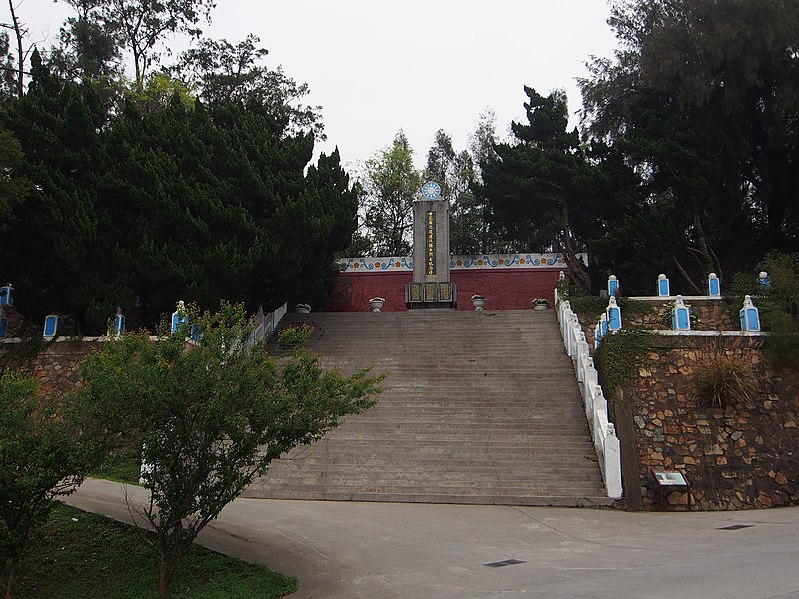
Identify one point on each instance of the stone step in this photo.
(453, 447)
(463, 486)
(421, 464)
(454, 489)
(575, 500)
(475, 409)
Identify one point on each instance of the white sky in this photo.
(414, 65)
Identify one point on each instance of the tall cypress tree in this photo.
(56, 252)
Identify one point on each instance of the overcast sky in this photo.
(416, 65)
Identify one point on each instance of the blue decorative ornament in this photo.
(431, 190)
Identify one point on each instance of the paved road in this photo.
(399, 551)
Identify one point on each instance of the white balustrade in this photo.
(266, 324)
(596, 406)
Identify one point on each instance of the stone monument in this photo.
(431, 286)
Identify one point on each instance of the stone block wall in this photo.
(645, 314)
(55, 364)
(735, 457)
(713, 316)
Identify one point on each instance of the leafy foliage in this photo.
(455, 172)
(294, 335)
(702, 102)
(166, 200)
(15, 186)
(619, 358)
(212, 415)
(547, 191)
(89, 50)
(44, 453)
(390, 182)
(142, 25)
(227, 74)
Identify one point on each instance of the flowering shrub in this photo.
(294, 334)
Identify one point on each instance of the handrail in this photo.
(266, 324)
(596, 406)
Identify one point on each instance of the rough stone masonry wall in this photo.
(55, 364)
(743, 456)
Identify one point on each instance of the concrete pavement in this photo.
(341, 550)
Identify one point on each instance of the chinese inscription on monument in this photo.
(431, 243)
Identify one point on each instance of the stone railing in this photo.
(596, 406)
(266, 324)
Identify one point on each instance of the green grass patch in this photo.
(121, 466)
(78, 555)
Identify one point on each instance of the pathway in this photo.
(347, 550)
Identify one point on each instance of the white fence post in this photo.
(612, 453)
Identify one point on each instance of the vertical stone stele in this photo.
(431, 286)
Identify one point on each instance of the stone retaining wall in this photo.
(741, 456)
(55, 364)
(713, 316)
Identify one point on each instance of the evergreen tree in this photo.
(544, 192)
(14, 186)
(455, 172)
(225, 74)
(56, 251)
(702, 95)
(88, 49)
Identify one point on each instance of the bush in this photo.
(294, 335)
(723, 377)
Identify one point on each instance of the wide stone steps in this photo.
(475, 409)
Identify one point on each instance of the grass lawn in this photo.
(121, 465)
(77, 555)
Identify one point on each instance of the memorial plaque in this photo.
(415, 292)
(430, 292)
(445, 292)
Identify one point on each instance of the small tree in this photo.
(43, 454)
(211, 415)
(391, 182)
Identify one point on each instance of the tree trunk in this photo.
(11, 581)
(20, 52)
(576, 271)
(170, 560)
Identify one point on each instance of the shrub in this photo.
(294, 335)
(723, 377)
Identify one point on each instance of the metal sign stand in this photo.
(671, 480)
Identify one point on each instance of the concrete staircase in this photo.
(477, 408)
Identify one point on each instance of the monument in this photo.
(431, 286)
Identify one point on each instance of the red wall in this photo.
(503, 289)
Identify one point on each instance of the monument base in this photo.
(432, 306)
(431, 295)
